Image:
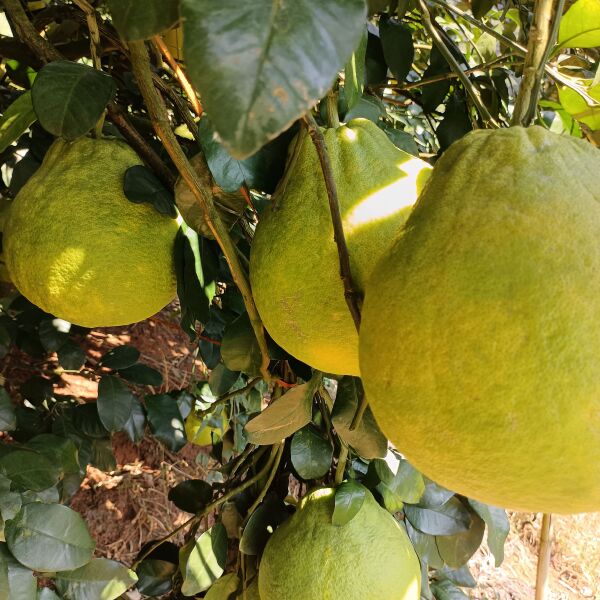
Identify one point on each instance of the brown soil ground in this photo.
(128, 507)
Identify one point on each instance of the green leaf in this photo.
(16, 581)
(142, 375)
(448, 519)
(115, 403)
(349, 498)
(354, 73)
(255, 80)
(480, 8)
(100, 579)
(29, 470)
(166, 421)
(239, 348)
(398, 49)
(223, 587)
(400, 139)
(580, 25)
(446, 590)
(47, 594)
(498, 527)
(49, 537)
(53, 334)
(70, 356)
(577, 106)
(87, 421)
(310, 453)
(203, 561)
(8, 417)
(434, 495)
(367, 439)
(461, 577)
(69, 98)
(368, 107)
(136, 424)
(425, 546)
(16, 120)
(142, 19)
(457, 549)
(283, 417)
(191, 495)
(155, 577)
(263, 521)
(221, 379)
(61, 451)
(406, 485)
(141, 185)
(120, 357)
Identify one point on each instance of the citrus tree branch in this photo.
(468, 85)
(225, 397)
(160, 119)
(350, 293)
(533, 70)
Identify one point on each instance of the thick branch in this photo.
(160, 119)
(533, 70)
(350, 293)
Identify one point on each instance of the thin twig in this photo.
(341, 466)
(350, 293)
(160, 119)
(180, 74)
(533, 70)
(452, 62)
(544, 555)
(228, 396)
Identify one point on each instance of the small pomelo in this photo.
(77, 248)
(207, 431)
(294, 265)
(480, 338)
(368, 558)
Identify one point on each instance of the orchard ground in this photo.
(129, 506)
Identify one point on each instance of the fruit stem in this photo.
(159, 115)
(543, 567)
(540, 40)
(341, 466)
(351, 295)
(333, 117)
(452, 62)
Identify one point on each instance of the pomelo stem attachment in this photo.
(543, 567)
(538, 49)
(159, 116)
(333, 118)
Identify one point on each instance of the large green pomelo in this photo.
(294, 265)
(480, 339)
(368, 558)
(77, 248)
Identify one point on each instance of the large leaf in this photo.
(8, 417)
(141, 19)
(578, 107)
(16, 581)
(283, 417)
(448, 519)
(166, 421)
(349, 498)
(264, 520)
(260, 65)
(354, 73)
(224, 587)
(120, 357)
(191, 495)
(16, 120)
(155, 577)
(580, 25)
(49, 537)
(311, 453)
(100, 579)
(457, 549)
(61, 451)
(30, 470)
(203, 561)
(498, 527)
(239, 348)
(115, 403)
(425, 546)
(398, 49)
(69, 98)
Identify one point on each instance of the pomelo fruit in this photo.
(480, 339)
(368, 558)
(294, 265)
(77, 248)
(206, 431)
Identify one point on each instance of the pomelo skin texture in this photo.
(368, 558)
(480, 338)
(294, 265)
(77, 248)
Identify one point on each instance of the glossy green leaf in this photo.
(8, 416)
(120, 357)
(203, 561)
(69, 98)
(461, 576)
(16, 581)
(100, 579)
(406, 485)
(349, 498)
(311, 453)
(263, 521)
(498, 525)
(49, 537)
(142, 375)
(425, 546)
(191, 495)
(142, 19)
(457, 549)
(283, 417)
(224, 587)
(580, 25)
(16, 120)
(446, 590)
(71, 356)
(260, 65)
(166, 421)
(367, 107)
(142, 186)
(29, 470)
(398, 49)
(115, 403)
(448, 519)
(480, 8)
(239, 348)
(60, 451)
(53, 334)
(136, 424)
(354, 73)
(578, 107)
(221, 380)
(434, 495)
(155, 577)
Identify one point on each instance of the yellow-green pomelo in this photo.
(480, 339)
(294, 265)
(368, 558)
(4, 206)
(75, 246)
(206, 431)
